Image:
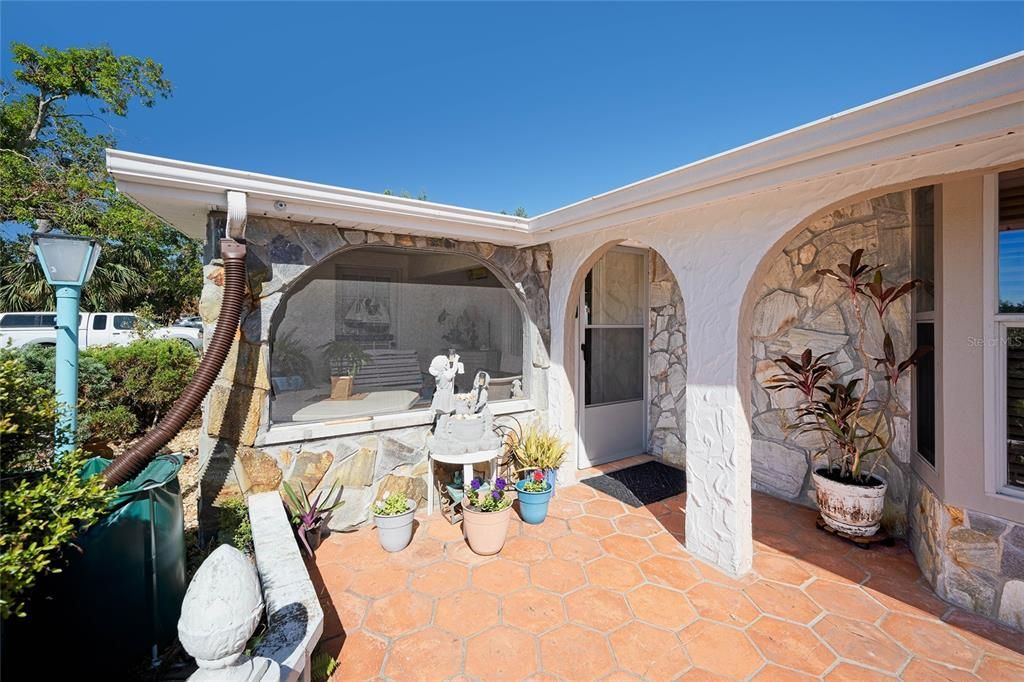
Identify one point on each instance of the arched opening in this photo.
(354, 337)
(625, 356)
(791, 307)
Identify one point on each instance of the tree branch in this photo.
(44, 106)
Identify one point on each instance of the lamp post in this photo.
(67, 263)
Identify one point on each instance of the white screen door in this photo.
(613, 354)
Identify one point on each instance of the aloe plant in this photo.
(308, 514)
(834, 409)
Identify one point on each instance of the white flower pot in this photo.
(852, 509)
(395, 532)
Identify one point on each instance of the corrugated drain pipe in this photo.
(131, 464)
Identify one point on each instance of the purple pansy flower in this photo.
(496, 494)
(475, 484)
(500, 484)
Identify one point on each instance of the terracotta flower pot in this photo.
(851, 509)
(485, 531)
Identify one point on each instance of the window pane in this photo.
(614, 365)
(1015, 406)
(1011, 242)
(1011, 271)
(615, 289)
(358, 337)
(99, 322)
(924, 248)
(924, 378)
(124, 322)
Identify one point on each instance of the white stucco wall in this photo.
(714, 252)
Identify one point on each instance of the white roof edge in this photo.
(986, 86)
(132, 168)
(980, 89)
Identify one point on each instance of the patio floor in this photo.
(604, 591)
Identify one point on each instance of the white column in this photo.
(718, 511)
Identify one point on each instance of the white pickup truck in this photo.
(94, 329)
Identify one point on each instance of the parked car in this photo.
(193, 321)
(94, 329)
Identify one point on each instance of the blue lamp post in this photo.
(67, 262)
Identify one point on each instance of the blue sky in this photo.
(494, 105)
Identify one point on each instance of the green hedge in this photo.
(122, 390)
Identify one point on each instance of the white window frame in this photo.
(996, 324)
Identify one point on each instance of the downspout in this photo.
(232, 252)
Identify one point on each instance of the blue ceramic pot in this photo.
(533, 507)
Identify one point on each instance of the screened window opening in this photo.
(357, 338)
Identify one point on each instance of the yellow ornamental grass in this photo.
(538, 448)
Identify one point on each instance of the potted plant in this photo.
(393, 517)
(308, 515)
(850, 492)
(486, 514)
(346, 360)
(534, 494)
(538, 449)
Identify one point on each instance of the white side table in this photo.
(467, 460)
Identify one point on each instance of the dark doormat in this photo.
(641, 484)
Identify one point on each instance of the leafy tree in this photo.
(52, 167)
(406, 194)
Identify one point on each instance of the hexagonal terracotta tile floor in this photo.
(605, 591)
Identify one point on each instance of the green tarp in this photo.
(120, 594)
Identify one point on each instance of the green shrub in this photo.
(44, 503)
(27, 416)
(234, 527)
(94, 379)
(148, 375)
(115, 424)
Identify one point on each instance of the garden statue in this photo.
(444, 368)
(478, 394)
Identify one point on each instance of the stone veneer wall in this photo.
(666, 366)
(798, 309)
(973, 560)
(366, 465)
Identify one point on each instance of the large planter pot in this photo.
(395, 532)
(533, 507)
(485, 531)
(852, 509)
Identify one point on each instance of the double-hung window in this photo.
(1009, 331)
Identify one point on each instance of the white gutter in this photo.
(156, 181)
(970, 106)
